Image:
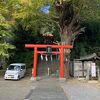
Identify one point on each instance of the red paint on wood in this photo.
(44, 46)
(35, 62)
(36, 52)
(61, 63)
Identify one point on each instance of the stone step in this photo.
(43, 66)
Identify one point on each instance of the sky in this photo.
(46, 9)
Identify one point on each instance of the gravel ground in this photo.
(14, 90)
(74, 89)
(81, 90)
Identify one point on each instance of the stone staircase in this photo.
(43, 65)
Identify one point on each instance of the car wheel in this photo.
(18, 77)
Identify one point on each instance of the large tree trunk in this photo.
(65, 39)
(69, 28)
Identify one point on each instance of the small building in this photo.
(85, 66)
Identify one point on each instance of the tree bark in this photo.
(70, 28)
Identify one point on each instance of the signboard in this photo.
(93, 69)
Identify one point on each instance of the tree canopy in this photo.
(5, 32)
(22, 21)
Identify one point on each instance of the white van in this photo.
(15, 71)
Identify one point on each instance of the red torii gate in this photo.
(36, 52)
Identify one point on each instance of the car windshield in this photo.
(14, 67)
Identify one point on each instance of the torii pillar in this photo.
(36, 52)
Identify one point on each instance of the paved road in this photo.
(46, 89)
(14, 90)
(80, 90)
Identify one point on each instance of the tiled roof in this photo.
(89, 57)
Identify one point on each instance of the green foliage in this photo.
(22, 20)
(23, 56)
(5, 33)
(28, 21)
(4, 47)
(28, 15)
(88, 42)
(89, 9)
